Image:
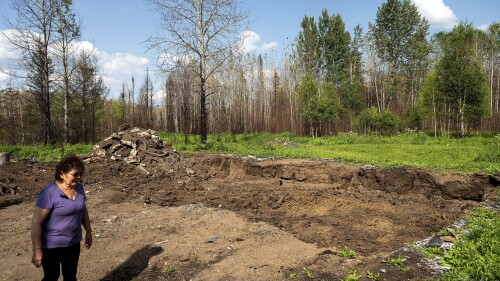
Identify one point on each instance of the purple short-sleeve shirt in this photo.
(63, 225)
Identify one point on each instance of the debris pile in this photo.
(134, 146)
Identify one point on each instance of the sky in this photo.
(117, 29)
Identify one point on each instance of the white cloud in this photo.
(3, 77)
(483, 27)
(437, 13)
(116, 68)
(251, 43)
(121, 63)
(7, 54)
(269, 46)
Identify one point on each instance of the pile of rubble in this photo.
(134, 146)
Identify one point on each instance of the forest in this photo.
(391, 78)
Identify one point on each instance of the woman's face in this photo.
(71, 178)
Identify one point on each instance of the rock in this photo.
(212, 239)
(4, 157)
(134, 146)
(435, 241)
(184, 258)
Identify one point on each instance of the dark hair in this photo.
(68, 163)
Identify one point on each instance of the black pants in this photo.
(57, 259)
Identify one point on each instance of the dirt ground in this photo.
(218, 217)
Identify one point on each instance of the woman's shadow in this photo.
(135, 264)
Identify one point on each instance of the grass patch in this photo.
(41, 153)
(471, 155)
(476, 256)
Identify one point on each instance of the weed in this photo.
(346, 253)
(308, 274)
(397, 262)
(293, 275)
(352, 276)
(372, 276)
(432, 252)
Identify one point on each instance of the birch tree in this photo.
(202, 30)
(68, 31)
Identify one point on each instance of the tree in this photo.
(460, 77)
(333, 49)
(308, 46)
(431, 101)
(68, 30)
(493, 58)
(399, 35)
(317, 104)
(90, 93)
(33, 36)
(203, 30)
(145, 101)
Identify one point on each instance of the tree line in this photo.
(394, 76)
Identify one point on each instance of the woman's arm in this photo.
(39, 217)
(88, 229)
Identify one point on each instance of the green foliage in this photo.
(366, 122)
(492, 156)
(400, 33)
(43, 153)
(476, 256)
(352, 276)
(433, 252)
(293, 275)
(370, 121)
(308, 274)
(408, 149)
(316, 103)
(372, 276)
(346, 253)
(397, 262)
(308, 44)
(117, 111)
(461, 83)
(388, 123)
(333, 48)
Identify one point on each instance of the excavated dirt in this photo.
(218, 217)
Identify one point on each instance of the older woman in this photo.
(56, 229)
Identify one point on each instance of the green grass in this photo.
(472, 154)
(346, 253)
(397, 262)
(41, 153)
(476, 256)
(352, 276)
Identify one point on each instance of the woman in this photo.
(56, 230)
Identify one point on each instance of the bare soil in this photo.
(218, 217)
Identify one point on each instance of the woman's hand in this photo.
(36, 259)
(88, 240)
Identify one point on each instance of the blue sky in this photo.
(118, 28)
